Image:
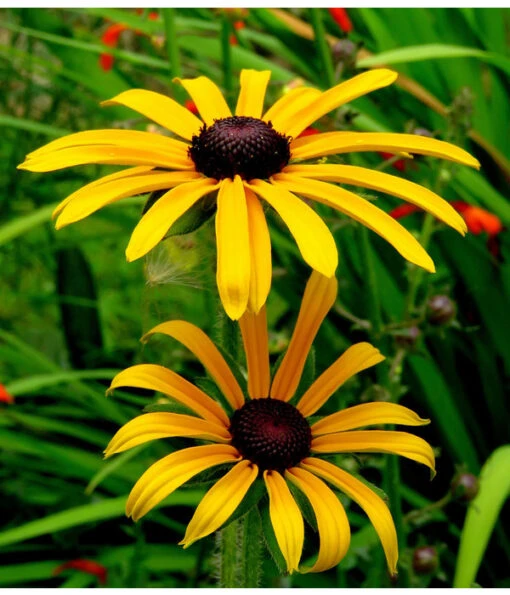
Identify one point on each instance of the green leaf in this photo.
(482, 516)
(32, 126)
(20, 226)
(35, 383)
(433, 51)
(89, 513)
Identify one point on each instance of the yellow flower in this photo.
(247, 157)
(264, 436)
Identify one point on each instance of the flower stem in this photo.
(322, 46)
(226, 54)
(228, 562)
(375, 302)
(251, 550)
(172, 49)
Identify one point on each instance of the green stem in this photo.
(322, 46)
(172, 49)
(228, 560)
(251, 550)
(375, 302)
(226, 55)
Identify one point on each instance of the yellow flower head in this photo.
(266, 438)
(248, 157)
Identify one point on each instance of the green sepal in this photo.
(211, 389)
(170, 407)
(270, 538)
(251, 499)
(192, 219)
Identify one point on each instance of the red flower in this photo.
(238, 25)
(88, 566)
(309, 131)
(111, 38)
(190, 105)
(477, 220)
(5, 397)
(341, 18)
(400, 164)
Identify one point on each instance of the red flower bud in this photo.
(88, 566)
(464, 487)
(425, 560)
(341, 18)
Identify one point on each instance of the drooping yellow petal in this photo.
(118, 175)
(343, 93)
(160, 109)
(377, 180)
(312, 235)
(319, 296)
(220, 502)
(114, 137)
(255, 341)
(283, 112)
(106, 155)
(332, 523)
(357, 358)
(233, 247)
(286, 519)
(207, 97)
(330, 143)
(260, 251)
(158, 378)
(367, 414)
(169, 473)
(252, 93)
(156, 222)
(371, 503)
(152, 426)
(398, 443)
(88, 200)
(206, 351)
(360, 210)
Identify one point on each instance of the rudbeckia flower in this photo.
(266, 436)
(249, 158)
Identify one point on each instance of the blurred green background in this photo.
(72, 309)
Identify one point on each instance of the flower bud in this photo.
(425, 559)
(464, 487)
(407, 338)
(423, 132)
(345, 51)
(441, 310)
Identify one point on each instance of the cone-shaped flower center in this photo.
(271, 433)
(239, 145)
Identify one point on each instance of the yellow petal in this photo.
(252, 93)
(332, 523)
(207, 97)
(357, 358)
(118, 175)
(360, 210)
(152, 426)
(371, 503)
(116, 138)
(158, 378)
(89, 199)
(169, 473)
(398, 443)
(329, 143)
(233, 247)
(260, 251)
(283, 112)
(255, 341)
(286, 519)
(107, 155)
(319, 296)
(156, 222)
(160, 109)
(312, 235)
(343, 93)
(376, 180)
(220, 502)
(367, 414)
(204, 349)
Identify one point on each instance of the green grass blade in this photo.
(482, 516)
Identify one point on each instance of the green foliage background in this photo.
(72, 308)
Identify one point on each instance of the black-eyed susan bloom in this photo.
(248, 157)
(268, 438)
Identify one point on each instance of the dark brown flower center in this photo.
(239, 145)
(271, 433)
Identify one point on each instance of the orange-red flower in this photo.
(5, 397)
(341, 18)
(88, 566)
(400, 164)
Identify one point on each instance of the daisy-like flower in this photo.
(248, 157)
(266, 438)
